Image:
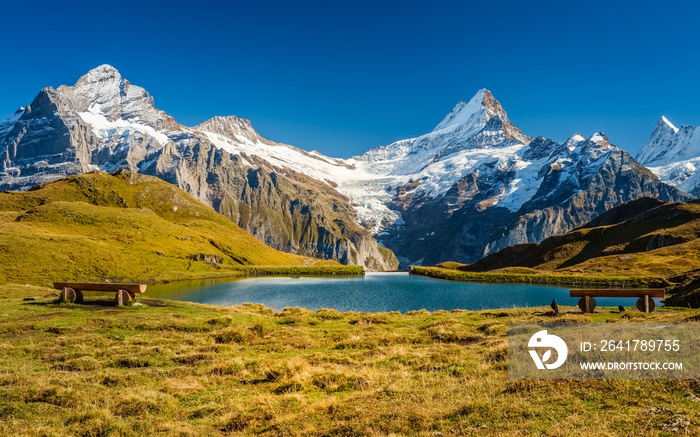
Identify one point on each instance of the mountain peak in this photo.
(669, 144)
(574, 141)
(600, 139)
(659, 144)
(490, 102)
(473, 111)
(473, 116)
(663, 121)
(233, 127)
(576, 138)
(103, 73)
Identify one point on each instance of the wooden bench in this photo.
(125, 291)
(645, 303)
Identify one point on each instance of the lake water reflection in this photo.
(374, 292)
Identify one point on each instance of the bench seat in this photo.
(125, 291)
(645, 303)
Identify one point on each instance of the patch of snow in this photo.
(665, 120)
(471, 112)
(106, 129)
(7, 124)
(596, 138)
(683, 175)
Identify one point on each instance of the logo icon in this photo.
(543, 340)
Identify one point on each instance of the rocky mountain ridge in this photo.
(472, 186)
(104, 122)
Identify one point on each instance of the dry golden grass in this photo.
(171, 368)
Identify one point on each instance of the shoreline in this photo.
(254, 271)
(533, 278)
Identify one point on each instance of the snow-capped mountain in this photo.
(104, 122)
(471, 133)
(673, 154)
(477, 184)
(473, 185)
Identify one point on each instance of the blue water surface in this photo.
(374, 292)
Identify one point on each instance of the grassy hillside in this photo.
(643, 243)
(126, 226)
(172, 368)
(645, 237)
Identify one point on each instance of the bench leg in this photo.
(68, 295)
(122, 297)
(646, 304)
(587, 304)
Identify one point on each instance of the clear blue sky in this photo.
(341, 77)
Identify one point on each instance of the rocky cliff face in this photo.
(106, 123)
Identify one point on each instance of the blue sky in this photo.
(341, 77)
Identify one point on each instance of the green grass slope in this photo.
(645, 242)
(125, 226)
(172, 368)
(645, 237)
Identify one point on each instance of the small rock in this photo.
(693, 397)
(658, 410)
(676, 424)
(136, 304)
(158, 349)
(32, 298)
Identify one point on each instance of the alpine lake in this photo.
(373, 292)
